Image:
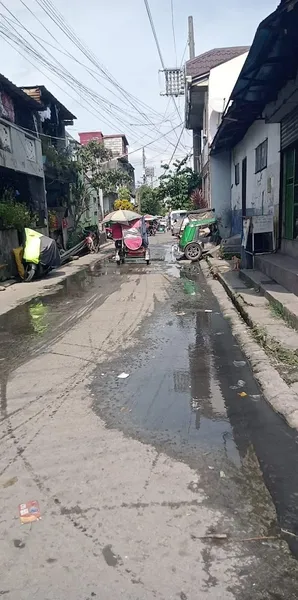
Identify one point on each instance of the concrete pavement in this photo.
(137, 478)
(275, 367)
(20, 292)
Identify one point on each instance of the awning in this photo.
(271, 62)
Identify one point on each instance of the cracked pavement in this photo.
(138, 478)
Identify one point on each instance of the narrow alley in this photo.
(177, 481)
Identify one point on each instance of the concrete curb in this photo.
(285, 310)
(275, 390)
(20, 293)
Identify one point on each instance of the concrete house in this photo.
(21, 163)
(257, 142)
(210, 79)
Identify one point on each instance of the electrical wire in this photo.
(183, 55)
(69, 55)
(67, 74)
(61, 23)
(40, 135)
(174, 152)
(74, 81)
(146, 2)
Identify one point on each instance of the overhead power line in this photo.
(57, 69)
(67, 76)
(158, 48)
(60, 21)
(176, 147)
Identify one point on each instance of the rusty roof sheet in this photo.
(202, 64)
(17, 93)
(41, 93)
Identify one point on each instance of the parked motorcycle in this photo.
(92, 242)
(92, 239)
(37, 257)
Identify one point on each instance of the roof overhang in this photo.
(42, 94)
(271, 62)
(18, 95)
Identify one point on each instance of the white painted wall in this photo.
(262, 188)
(221, 83)
(220, 184)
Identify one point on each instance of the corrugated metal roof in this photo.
(201, 65)
(17, 93)
(45, 96)
(271, 62)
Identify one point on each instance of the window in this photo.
(261, 156)
(237, 174)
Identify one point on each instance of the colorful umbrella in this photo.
(121, 216)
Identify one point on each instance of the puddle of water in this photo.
(179, 398)
(25, 329)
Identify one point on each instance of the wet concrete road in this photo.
(133, 476)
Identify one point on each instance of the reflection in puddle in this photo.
(38, 313)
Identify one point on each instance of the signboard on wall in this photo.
(262, 224)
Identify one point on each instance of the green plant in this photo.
(93, 159)
(62, 161)
(178, 184)
(80, 200)
(124, 194)
(149, 200)
(14, 215)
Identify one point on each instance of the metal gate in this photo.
(289, 129)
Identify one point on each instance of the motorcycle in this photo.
(92, 242)
(109, 234)
(152, 229)
(92, 239)
(37, 257)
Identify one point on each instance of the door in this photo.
(244, 186)
(290, 193)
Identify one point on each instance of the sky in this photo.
(119, 37)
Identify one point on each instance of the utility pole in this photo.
(191, 38)
(144, 167)
(196, 135)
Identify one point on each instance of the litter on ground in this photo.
(123, 375)
(29, 512)
(239, 363)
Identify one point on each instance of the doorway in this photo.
(290, 193)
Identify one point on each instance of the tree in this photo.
(149, 200)
(177, 185)
(80, 201)
(124, 194)
(94, 161)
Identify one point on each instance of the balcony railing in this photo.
(19, 150)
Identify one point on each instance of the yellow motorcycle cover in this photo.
(32, 246)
